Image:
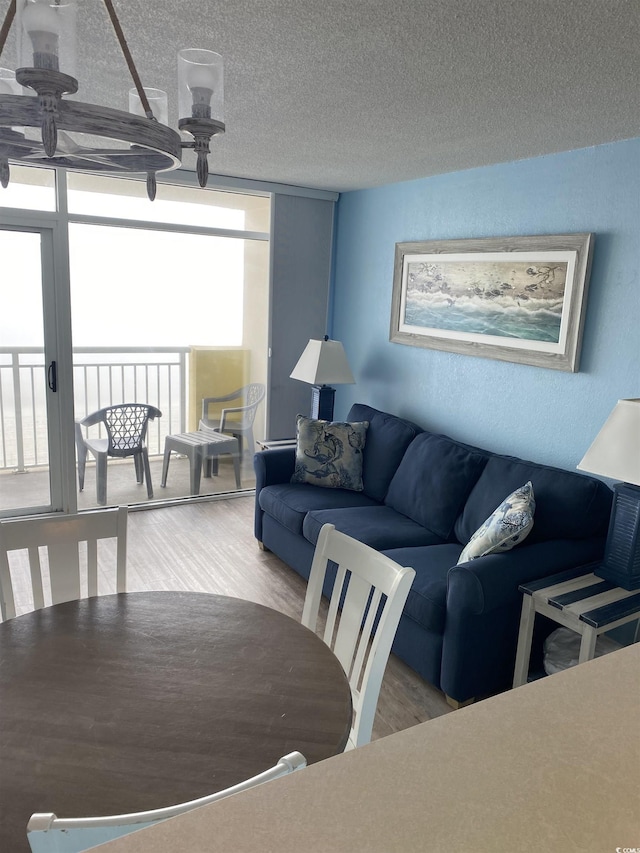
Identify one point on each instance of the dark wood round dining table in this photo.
(141, 700)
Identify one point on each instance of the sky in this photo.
(20, 289)
(149, 288)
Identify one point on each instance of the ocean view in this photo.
(538, 321)
(516, 299)
(100, 379)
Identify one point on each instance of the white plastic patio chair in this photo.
(360, 640)
(235, 420)
(49, 834)
(60, 537)
(126, 427)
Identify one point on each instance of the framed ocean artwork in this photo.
(518, 299)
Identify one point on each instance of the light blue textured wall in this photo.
(546, 415)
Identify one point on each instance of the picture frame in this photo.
(519, 299)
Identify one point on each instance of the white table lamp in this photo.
(322, 364)
(615, 453)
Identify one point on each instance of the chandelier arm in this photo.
(128, 58)
(6, 24)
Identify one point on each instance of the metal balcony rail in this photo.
(102, 376)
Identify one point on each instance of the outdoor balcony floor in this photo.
(31, 488)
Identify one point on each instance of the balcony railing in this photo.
(102, 377)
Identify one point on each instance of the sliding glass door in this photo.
(168, 304)
(109, 299)
(30, 456)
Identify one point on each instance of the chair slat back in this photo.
(60, 536)
(64, 567)
(354, 608)
(7, 603)
(35, 570)
(126, 426)
(241, 416)
(366, 604)
(366, 637)
(254, 394)
(339, 590)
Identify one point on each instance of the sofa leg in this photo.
(456, 705)
(262, 546)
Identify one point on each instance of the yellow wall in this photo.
(213, 372)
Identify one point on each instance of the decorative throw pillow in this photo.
(506, 527)
(329, 454)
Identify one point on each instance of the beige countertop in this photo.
(551, 766)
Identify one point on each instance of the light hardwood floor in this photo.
(210, 546)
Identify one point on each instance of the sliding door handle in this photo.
(52, 376)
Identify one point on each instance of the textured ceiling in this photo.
(346, 94)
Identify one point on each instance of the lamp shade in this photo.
(615, 452)
(323, 363)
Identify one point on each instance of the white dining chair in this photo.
(360, 625)
(58, 538)
(47, 833)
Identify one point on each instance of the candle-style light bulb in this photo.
(201, 88)
(43, 26)
(200, 82)
(200, 102)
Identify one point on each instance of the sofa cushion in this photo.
(505, 528)
(433, 481)
(427, 600)
(377, 526)
(568, 505)
(329, 453)
(387, 439)
(288, 503)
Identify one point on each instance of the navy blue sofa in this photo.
(424, 496)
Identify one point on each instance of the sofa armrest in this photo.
(271, 467)
(483, 612)
(484, 584)
(274, 466)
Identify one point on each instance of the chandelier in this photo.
(44, 129)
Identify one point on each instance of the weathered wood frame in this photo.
(535, 353)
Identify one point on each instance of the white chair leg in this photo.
(147, 472)
(101, 478)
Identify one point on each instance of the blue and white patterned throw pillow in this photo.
(329, 454)
(505, 528)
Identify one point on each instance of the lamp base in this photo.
(322, 397)
(621, 564)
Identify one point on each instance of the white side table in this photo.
(263, 444)
(582, 602)
(199, 448)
